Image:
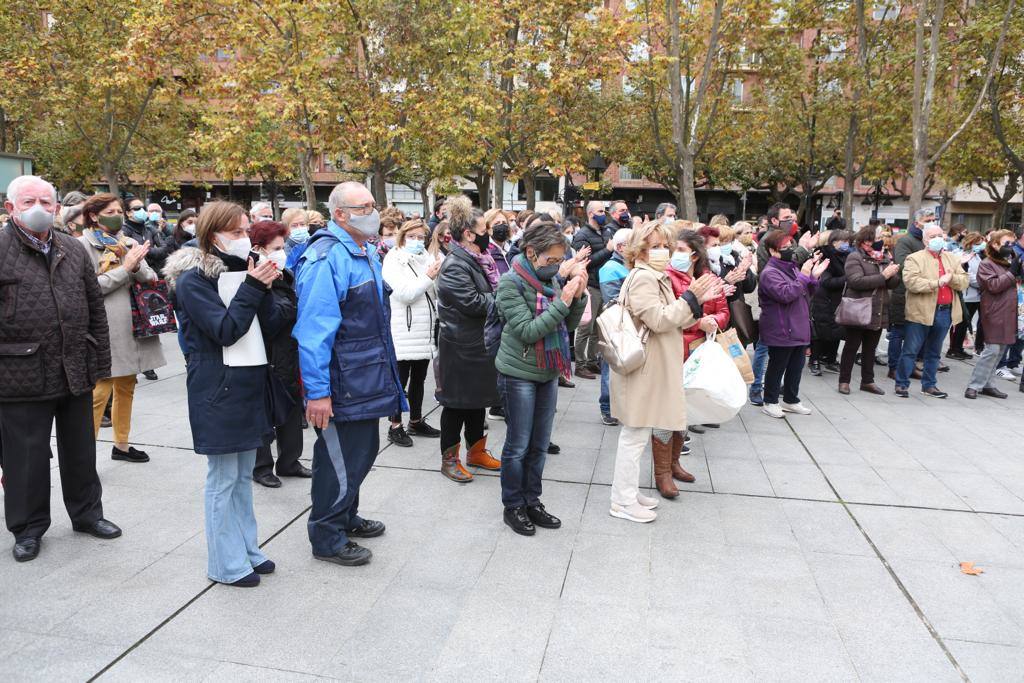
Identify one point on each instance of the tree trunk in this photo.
(687, 200)
(272, 190)
(530, 186)
(110, 175)
(924, 92)
(499, 184)
(425, 199)
(1003, 201)
(378, 185)
(849, 169)
(306, 159)
(483, 189)
(687, 191)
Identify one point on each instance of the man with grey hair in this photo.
(666, 212)
(932, 277)
(594, 240)
(349, 369)
(53, 346)
(908, 244)
(261, 211)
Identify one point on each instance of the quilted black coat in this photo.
(53, 327)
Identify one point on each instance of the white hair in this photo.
(16, 185)
(258, 206)
(933, 230)
(594, 205)
(620, 236)
(340, 194)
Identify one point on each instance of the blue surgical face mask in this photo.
(388, 242)
(978, 248)
(843, 248)
(139, 215)
(936, 244)
(155, 216)
(299, 235)
(414, 246)
(681, 261)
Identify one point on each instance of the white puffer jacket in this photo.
(413, 307)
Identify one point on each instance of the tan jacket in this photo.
(653, 395)
(921, 278)
(128, 355)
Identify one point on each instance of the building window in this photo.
(626, 174)
(975, 222)
(737, 91)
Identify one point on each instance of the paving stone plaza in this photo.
(825, 547)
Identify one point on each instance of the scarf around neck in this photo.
(114, 248)
(485, 261)
(553, 350)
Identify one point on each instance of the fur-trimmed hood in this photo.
(186, 259)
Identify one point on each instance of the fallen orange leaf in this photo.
(969, 568)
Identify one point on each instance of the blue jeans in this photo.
(529, 414)
(760, 364)
(927, 339)
(343, 454)
(1012, 356)
(605, 401)
(895, 349)
(231, 543)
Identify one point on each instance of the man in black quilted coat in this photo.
(53, 347)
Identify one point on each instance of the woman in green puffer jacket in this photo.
(539, 313)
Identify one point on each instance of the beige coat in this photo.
(921, 278)
(653, 395)
(128, 355)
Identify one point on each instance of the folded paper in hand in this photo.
(248, 350)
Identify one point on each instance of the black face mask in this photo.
(546, 273)
(482, 241)
(500, 232)
(877, 245)
(1006, 251)
(787, 254)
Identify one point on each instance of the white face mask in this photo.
(240, 247)
(190, 228)
(278, 258)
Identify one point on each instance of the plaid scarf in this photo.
(485, 261)
(553, 350)
(114, 248)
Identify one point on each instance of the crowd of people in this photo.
(334, 323)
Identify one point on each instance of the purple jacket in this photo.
(785, 293)
(500, 259)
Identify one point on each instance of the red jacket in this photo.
(693, 336)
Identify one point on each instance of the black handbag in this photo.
(741, 318)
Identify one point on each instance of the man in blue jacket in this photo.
(348, 369)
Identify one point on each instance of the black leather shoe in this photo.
(421, 428)
(554, 449)
(299, 471)
(934, 392)
(520, 523)
(993, 392)
(101, 528)
(398, 436)
(150, 375)
(105, 422)
(540, 517)
(696, 429)
(269, 480)
(971, 394)
(943, 368)
(267, 567)
(250, 580)
(368, 529)
(565, 384)
(583, 373)
(352, 555)
(609, 421)
(130, 455)
(26, 549)
(902, 392)
(711, 425)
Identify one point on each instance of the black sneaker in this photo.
(685, 450)
(934, 392)
(609, 421)
(370, 528)
(831, 367)
(131, 455)
(540, 517)
(815, 368)
(399, 437)
(421, 428)
(105, 421)
(553, 449)
(265, 567)
(497, 412)
(516, 518)
(902, 392)
(958, 355)
(696, 429)
(352, 555)
(150, 375)
(687, 439)
(251, 580)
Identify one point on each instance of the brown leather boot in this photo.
(661, 453)
(452, 468)
(677, 448)
(479, 456)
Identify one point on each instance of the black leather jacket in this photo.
(597, 240)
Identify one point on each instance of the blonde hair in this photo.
(726, 233)
(289, 216)
(636, 246)
(440, 230)
(740, 226)
(491, 214)
(719, 220)
(407, 227)
(315, 217)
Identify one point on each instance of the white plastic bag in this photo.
(715, 391)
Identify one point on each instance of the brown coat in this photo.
(864, 279)
(653, 395)
(921, 277)
(53, 327)
(998, 302)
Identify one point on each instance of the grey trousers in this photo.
(985, 367)
(586, 335)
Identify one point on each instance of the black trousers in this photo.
(959, 332)
(824, 350)
(783, 362)
(412, 374)
(453, 420)
(25, 431)
(289, 447)
(866, 341)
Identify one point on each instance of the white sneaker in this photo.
(1017, 371)
(1006, 373)
(797, 408)
(644, 501)
(634, 513)
(772, 410)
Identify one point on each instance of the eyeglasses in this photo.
(361, 209)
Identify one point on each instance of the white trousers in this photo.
(626, 480)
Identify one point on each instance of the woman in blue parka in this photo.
(228, 406)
